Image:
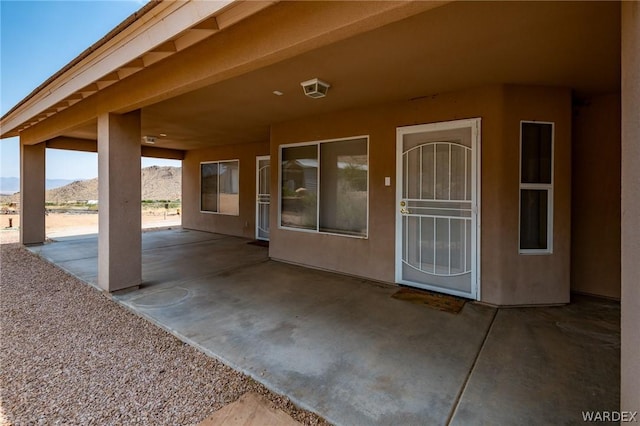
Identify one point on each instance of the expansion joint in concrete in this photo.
(456, 403)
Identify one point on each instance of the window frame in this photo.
(548, 187)
(218, 186)
(318, 143)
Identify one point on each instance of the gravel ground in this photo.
(69, 354)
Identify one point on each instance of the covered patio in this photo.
(344, 348)
(530, 107)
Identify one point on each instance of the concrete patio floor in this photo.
(343, 348)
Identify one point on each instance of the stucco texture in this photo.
(507, 278)
(630, 368)
(595, 215)
(242, 224)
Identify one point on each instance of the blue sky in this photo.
(37, 38)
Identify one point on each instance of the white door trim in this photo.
(475, 125)
(257, 216)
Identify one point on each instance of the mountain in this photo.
(56, 183)
(75, 191)
(11, 185)
(158, 183)
(162, 183)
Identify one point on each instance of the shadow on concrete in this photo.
(345, 349)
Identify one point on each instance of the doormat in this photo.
(260, 243)
(442, 302)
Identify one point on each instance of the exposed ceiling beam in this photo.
(137, 63)
(208, 24)
(167, 47)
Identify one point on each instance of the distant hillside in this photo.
(162, 183)
(75, 191)
(56, 183)
(11, 185)
(158, 183)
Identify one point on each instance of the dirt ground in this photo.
(65, 224)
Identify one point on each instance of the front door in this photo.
(437, 207)
(263, 197)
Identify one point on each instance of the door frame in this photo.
(475, 125)
(257, 215)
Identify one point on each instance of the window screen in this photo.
(536, 153)
(533, 221)
(343, 187)
(299, 197)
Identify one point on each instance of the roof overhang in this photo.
(157, 31)
(219, 90)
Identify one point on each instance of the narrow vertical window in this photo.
(536, 187)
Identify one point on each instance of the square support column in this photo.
(119, 223)
(32, 196)
(630, 298)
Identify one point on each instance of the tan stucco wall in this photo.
(595, 218)
(373, 257)
(630, 351)
(242, 225)
(507, 277)
(510, 278)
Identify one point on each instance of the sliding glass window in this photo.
(324, 187)
(219, 187)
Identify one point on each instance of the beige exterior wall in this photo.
(595, 218)
(507, 277)
(510, 278)
(630, 366)
(242, 225)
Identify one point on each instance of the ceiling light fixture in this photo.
(163, 135)
(278, 93)
(315, 88)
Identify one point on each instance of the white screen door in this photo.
(437, 207)
(263, 198)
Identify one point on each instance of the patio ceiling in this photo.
(453, 47)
